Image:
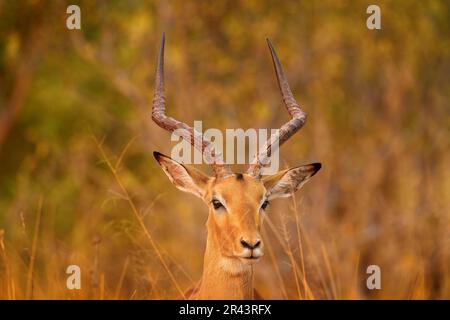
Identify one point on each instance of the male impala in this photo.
(236, 202)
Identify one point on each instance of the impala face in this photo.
(237, 203)
(237, 207)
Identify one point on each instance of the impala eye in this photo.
(217, 204)
(265, 204)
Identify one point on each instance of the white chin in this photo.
(249, 260)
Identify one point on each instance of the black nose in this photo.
(250, 246)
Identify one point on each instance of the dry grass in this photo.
(300, 263)
(378, 121)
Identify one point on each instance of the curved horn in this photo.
(298, 119)
(186, 132)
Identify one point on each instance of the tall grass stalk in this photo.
(29, 292)
(138, 217)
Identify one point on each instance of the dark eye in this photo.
(265, 204)
(217, 204)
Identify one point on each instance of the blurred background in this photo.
(78, 183)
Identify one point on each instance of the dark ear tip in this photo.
(157, 155)
(316, 166)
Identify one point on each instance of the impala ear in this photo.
(286, 182)
(186, 179)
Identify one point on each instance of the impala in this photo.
(237, 201)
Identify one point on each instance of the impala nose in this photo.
(249, 244)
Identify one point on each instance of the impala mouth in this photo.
(249, 258)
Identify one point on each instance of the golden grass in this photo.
(137, 214)
(377, 105)
(320, 279)
(37, 225)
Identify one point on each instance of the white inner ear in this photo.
(288, 184)
(181, 179)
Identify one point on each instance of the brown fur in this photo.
(234, 242)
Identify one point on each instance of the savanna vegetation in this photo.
(78, 183)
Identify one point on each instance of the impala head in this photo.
(237, 202)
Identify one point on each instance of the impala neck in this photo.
(224, 278)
